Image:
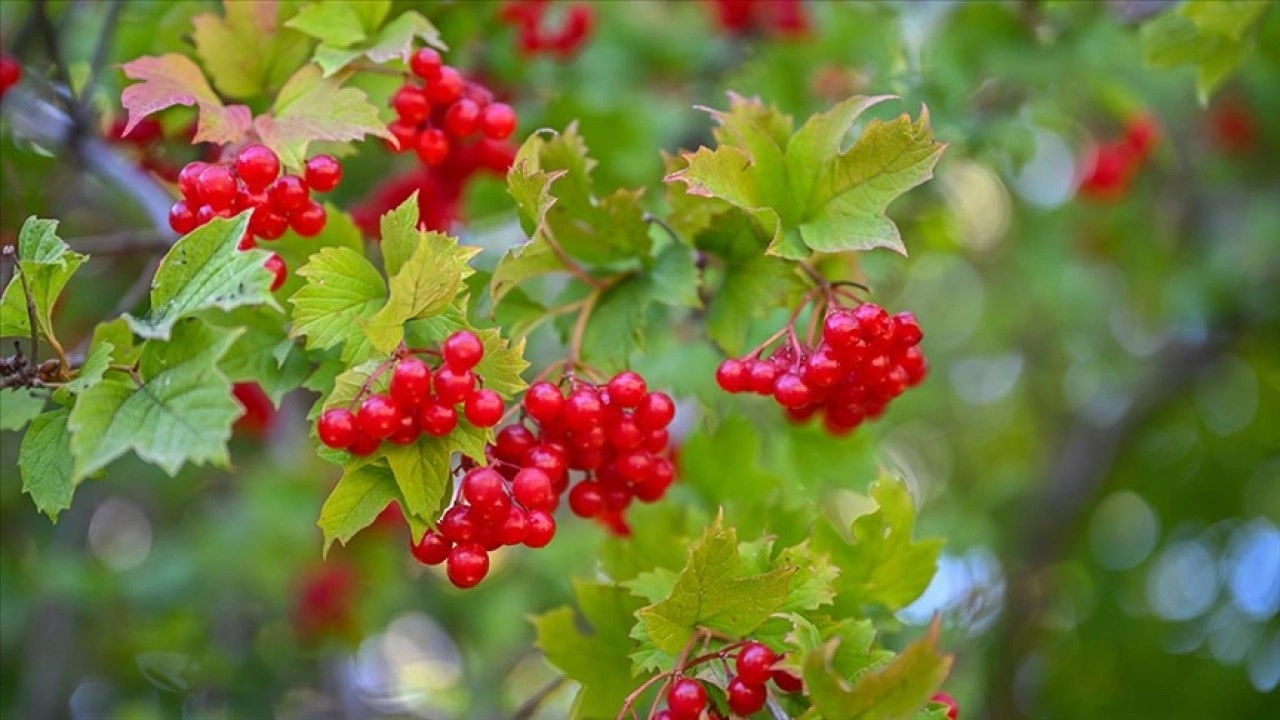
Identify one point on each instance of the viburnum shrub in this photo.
(413, 356)
(537, 37)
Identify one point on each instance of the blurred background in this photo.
(1096, 266)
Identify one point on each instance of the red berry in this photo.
(324, 172)
(822, 369)
(188, 180)
(436, 418)
(406, 136)
(732, 376)
(656, 411)
(746, 698)
(755, 663)
(410, 381)
(542, 528)
(484, 487)
(913, 362)
(463, 350)
(906, 330)
(624, 434)
(364, 445)
(532, 488)
(432, 549)
(268, 224)
(515, 528)
(216, 187)
(310, 220)
(458, 524)
(467, 565)
(583, 409)
(586, 499)
(953, 707)
(873, 321)
(337, 428)
(432, 146)
(787, 682)
(549, 459)
(686, 699)
(257, 165)
(446, 87)
(454, 386)
(484, 408)
(657, 440)
(462, 118)
(379, 416)
(10, 73)
(276, 265)
(840, 330)
(512, 442)
(627, 389)
(791, 392)
(635, 466)
(761, 377)
(289, 193)
(544, 402)
(407, 431)
(653, 486)
(498, 121)
(182, 218)
(411, 104)
(425, 63)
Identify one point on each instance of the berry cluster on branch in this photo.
(1110, 166)
(755, 666)
(536, 38)
(436, 115)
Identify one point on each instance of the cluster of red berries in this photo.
(784, 18)
(747, 691)
(253, 182)
(10, 73)
(435, 116)
(1110, 166)
(613, 436)
(865, 359)
(419, 401)
(325, 603)
(528, 16)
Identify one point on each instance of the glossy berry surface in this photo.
(337, 428)
(755, 663)
(484, 408)
(216, 187)
(323, 173)
(308, 220)
(542, 529)
(279, 271)
(498, 121)
(258, 166)
(436, 418)
(463, 350)
(544, 402)
(786, 681)
(454, 386)
(379, 416)
(533, 489)
(467, 565)
(410, 381)
(746, 698)
(686, 699)
(425, 63)
(432, 549)
(289, 193)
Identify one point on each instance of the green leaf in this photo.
(521, 263)
(205, 269)
(263, 353)
(397, 40)
(362, 493)
(18, 406)
(502, 363)
(814, 582)
(400, 235)
(674, 277)
(424, 470)
(45, 461)
(90, 373)
(596, 660)
(117, 332)
(313, 107)
(44, 266)
(711, 593)
(340, 230)
(174, 79)
(342, 289)
(246, 52)
(332, 23)
(750, 289)
(657, 540)
(727, 173)
(881, 564)
(894, 691)
(183, 413)
(723, 464)
(1214, 36)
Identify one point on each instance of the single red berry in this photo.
(459, 525)
(549, 459)
(410, 381)
(188, 180)
(686, 699)
(906, 330)
(586, 499)
(182, 218)
(406, 136)
(454, 386)
(656, 411)
(732, 376)
(761, 377)
(627, 389)
(463, 350)
(379, 416)
(544, 402)
(583, 409)
(839, 329)
(512, 442)
(267, 223)
(462, 118)
(786, 681)
(746, 698)
(324, 172)
(310, 220)
(337, 428)
(411, 104)
(515, 528)
(532, 488)
(258, 166)
(432, 146)
(953, 707)
(407, 431)
(364, 445)
(634, 467)
(755, 663)
(484, 408)
(446, 87)
(425, 63)
(489, 532)
(217, 187)
(432, 549)
(436, 418)
(657, 440)
(483, 487)
(791, 392)
(873, 321)
(498, 121)
(624, 434)
(822, 369)
(914, 363)
(278, 269)
(653, 486)
(542, 528)
(467, 565)
(289, 193)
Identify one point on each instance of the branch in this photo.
(529, 707)
(123, 242)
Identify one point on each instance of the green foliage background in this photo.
(1099, 441)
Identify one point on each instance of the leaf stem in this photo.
(580, 327)
(373, 377)
(655, 220)
(569, 263)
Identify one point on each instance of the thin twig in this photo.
(107, 33)
(580, 327)
(530, 706)
(31, 316)
(569, 263)
(655, 220)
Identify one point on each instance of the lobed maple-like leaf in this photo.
(173, 79)
(313, 107)
(245, 50)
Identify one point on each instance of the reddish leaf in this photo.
(312, 107)
(173, 79)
